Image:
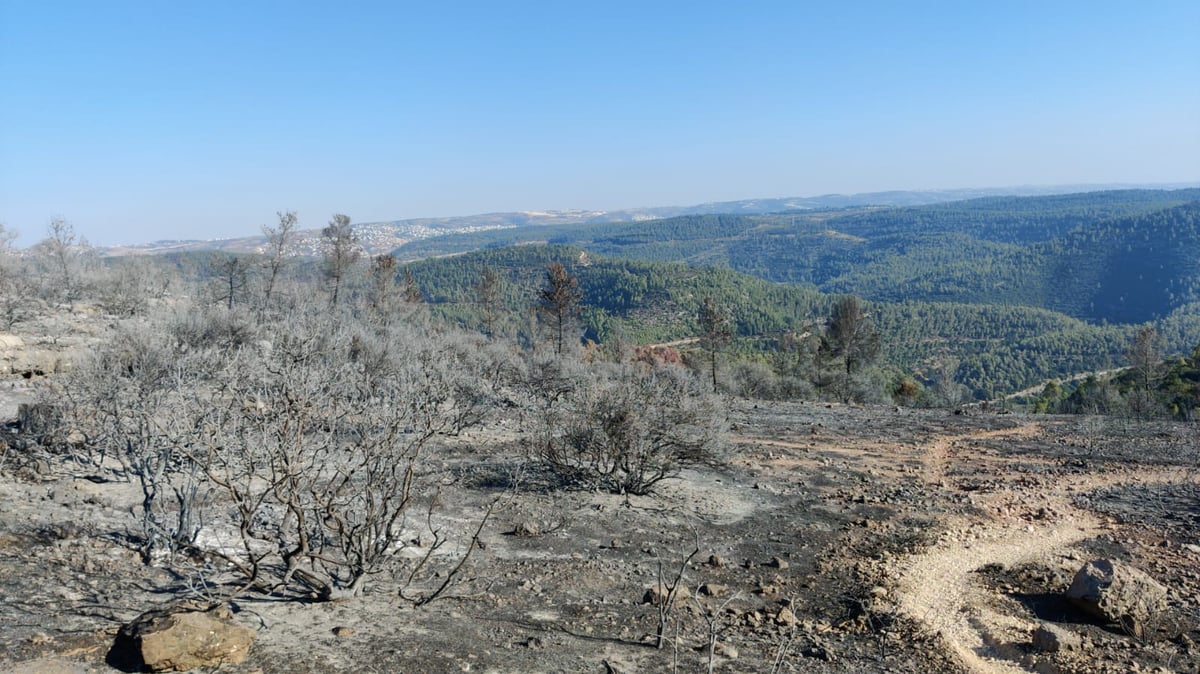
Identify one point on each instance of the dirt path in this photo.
(1035, 390)
(940, 587)
(678, 342)
(940, 452)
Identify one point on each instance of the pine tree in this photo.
(715, 332)
(560, 301)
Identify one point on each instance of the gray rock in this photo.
(1118, 593)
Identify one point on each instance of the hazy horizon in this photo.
(255, 231)
(139, 122)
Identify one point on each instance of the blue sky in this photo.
(147, 120)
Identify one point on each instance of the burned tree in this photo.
(341, 253)
(1145, 356)
(715, 332)
(559, 302)
(487, 296)
(412, 292)
(64, 252)
(383, 288)
(232, 280)
(279, 242)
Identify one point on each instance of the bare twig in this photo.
(462, 561)
(666, 604)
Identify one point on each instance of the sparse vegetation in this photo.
(625, 428)
(382, 448)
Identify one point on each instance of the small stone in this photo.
(342, 631)
(525, 529)
(778, 563)
(714, 590)
(657, 594)
(766, 589)
(818, 650)
(785, 617)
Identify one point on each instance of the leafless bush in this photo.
(629, 428)
(18, 292)
(212, 327)
(319, 443)
(128, 287)
(796, 388)
(64, 258)
(129, 401)
(313, 440)
(549, 381)
(480, 372)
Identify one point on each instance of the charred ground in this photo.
(830, 539)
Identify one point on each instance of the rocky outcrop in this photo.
(1118, 593)
(17, 356)
(179, 639)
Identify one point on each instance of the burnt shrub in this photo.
(627, 427)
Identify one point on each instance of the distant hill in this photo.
(1117, 256)
(383, 237)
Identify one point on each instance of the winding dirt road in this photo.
(940, 588)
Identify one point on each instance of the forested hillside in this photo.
(992, 349)
(1118, 256)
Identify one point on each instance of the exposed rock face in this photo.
(1118, 593)
(179, 639)
(18, 357)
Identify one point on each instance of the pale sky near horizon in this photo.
(139, 121)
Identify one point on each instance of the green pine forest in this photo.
(1002, 294)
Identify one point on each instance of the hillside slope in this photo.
(996, 348)
(1093, 256)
